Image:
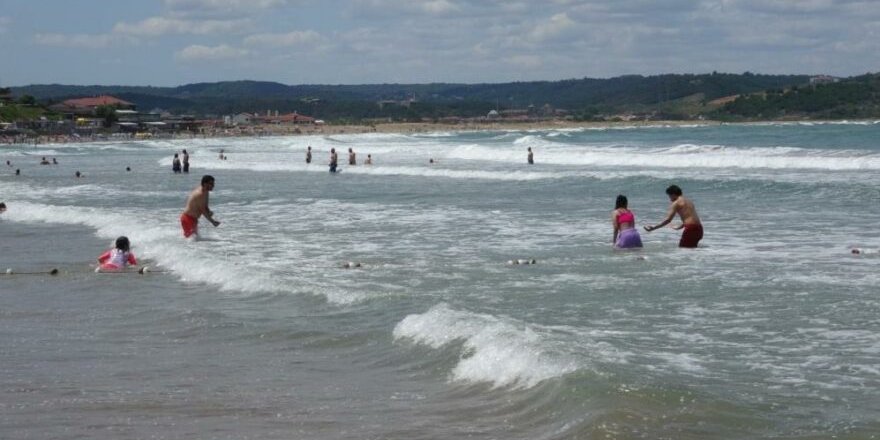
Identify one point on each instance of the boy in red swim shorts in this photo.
(690, 221)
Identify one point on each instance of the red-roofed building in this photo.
(82, 106)
(99, 101)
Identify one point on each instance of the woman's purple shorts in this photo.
(628, 238)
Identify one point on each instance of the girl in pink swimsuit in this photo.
(624, 221)
(117, 258)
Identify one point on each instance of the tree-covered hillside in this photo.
(678, 96)
(856, 97)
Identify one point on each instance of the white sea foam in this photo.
(678, 156)
(495, 350)
(160, 241)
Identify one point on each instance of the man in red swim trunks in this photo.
(690, 221)
(197, 206)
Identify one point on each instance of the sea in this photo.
(381, 302)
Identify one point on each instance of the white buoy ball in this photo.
(9, 271)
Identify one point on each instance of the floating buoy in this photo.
(53, 272)
(522, 261)
(351, 265)
(9, 271)
(144, 270)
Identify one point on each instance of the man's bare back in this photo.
(685, 210)
(197, 203)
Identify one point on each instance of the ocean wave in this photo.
(680, 156)
(495, 351)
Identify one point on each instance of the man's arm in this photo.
(207, 211)
(669, 216)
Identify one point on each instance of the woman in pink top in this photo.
(624, 221)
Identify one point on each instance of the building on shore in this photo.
(89, 106)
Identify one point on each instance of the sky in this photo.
(176, 42)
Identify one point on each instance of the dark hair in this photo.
(621, 202)
(122, 243)
(673, 190)
(207, 179)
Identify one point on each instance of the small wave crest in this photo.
(496, 351)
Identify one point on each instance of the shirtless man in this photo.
(531, 157)
(351, 157)
(175, 164)
(693, 229)
(197, 206)
(333, 160)
(309, 155)
(185, 161)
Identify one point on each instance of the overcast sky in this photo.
(174, 42)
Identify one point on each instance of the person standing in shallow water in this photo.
(175, 164)
(333, 160)
(351, 157)
(624, 222)
(309, 154)
(197, 206)
(531, 157)
(690, 221)
(185, 161)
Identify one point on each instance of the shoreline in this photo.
(401, 128)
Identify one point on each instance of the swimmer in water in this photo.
(624, 222)
(690, 221)
(333, 160)
(175, 164)
(197, 206)
(117, 258)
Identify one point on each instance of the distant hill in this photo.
(672, 93)
(855, 97)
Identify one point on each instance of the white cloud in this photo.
(557, 25)
(83, 41)
(156, 26)
(198, 52)
(220, 7)
(438, 6)
(294, 38)
(393, 8)
(525, 61)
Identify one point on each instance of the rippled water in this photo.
(768, 330)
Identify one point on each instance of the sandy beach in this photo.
(332, 129)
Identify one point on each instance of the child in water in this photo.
(117, 258)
